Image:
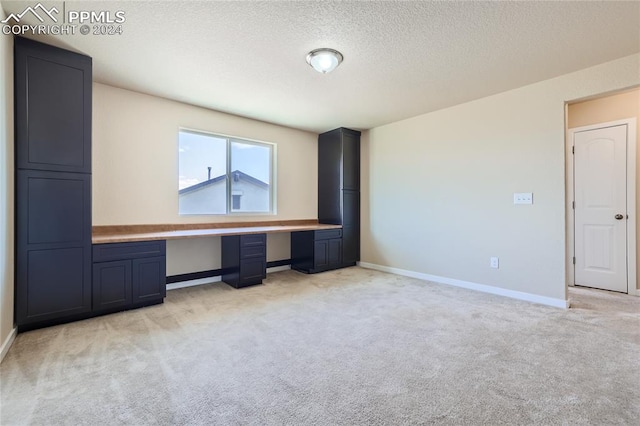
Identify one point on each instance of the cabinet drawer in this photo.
(253, 252)
(122, 251)
(252, 271)
(252, 240)
(328, 234)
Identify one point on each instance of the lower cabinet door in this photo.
(149, 279)
(111, 285)
(52, 284)
(335, 252)
(252, 271)
(321, 254)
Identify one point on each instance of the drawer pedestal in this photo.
(244, 259)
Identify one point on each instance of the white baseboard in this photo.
(202, 281)
(192, 283)
(278, 269)
(7, 343)
(543, 300)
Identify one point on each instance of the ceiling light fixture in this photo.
(324, 60)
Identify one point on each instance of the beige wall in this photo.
(135, 169)
(441, 185)
(6, 184)
(605, 109)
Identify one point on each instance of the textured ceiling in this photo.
(401, 58)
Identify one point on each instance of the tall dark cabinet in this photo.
(339, 187)
(338, 204)
(53, 183)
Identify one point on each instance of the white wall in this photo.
(6, 185)
(135, 169)
(441, 185)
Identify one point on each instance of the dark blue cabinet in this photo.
(339, 187)
(128, 275)
(149, 280)
(112, 288)
(53, 245)
(52, 108)
(338, 204)
(244, 259)
(52, 92)
(316, 251)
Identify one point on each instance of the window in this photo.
(222, 175)
(235, 205)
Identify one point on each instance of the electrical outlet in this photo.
(495, 262)
(523, 198)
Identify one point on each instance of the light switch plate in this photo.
(523, 198)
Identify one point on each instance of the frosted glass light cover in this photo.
(324, 60)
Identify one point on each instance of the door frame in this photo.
(631, 200)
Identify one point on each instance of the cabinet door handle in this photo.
(619, 217)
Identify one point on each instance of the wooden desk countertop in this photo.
(132, 233)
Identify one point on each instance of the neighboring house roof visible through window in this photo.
(236, 174)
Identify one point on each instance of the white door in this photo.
(600, 167)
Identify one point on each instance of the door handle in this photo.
(619, 217)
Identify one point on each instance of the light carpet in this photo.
(348, 347)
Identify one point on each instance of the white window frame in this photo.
(229, 202)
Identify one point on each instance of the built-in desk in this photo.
(134, 233)
(129, 262)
